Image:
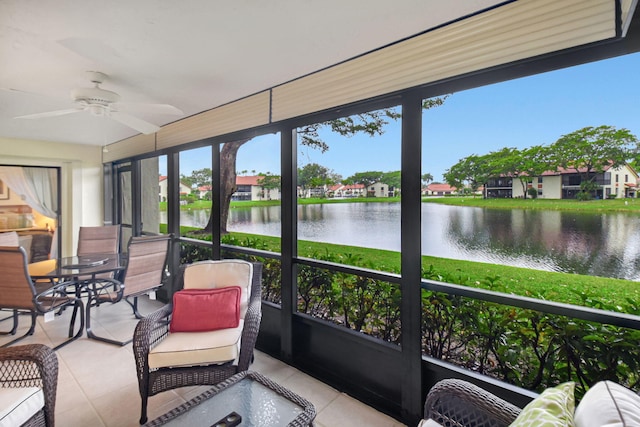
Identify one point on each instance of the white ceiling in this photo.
(192, 54)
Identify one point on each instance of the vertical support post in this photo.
(410, 305)
(216, 196)
(136, 198)
(173, 218)
(289, 238)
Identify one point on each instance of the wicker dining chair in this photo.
(458, 403)
(19, 293)
(146, 261)
(167, 360)
(32, 365)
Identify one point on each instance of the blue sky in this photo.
(518, 113)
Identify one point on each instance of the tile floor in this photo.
(97, 383)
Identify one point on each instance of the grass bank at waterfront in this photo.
(205, 204)
(576, 289)
(590, 206)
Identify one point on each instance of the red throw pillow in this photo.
(199, 310)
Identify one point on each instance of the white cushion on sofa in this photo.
(17, 405)
(608, 404)
(428, 423)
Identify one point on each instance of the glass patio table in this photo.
(69, 268)
(77, 271)
(246, 399)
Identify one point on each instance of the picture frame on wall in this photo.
(4, 191)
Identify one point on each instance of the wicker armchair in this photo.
(154, 329)
(458, 403)
(32, 365)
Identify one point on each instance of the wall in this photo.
(552, 187)
(81, 180)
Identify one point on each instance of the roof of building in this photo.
(440, 187)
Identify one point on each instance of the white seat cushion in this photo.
(19, 404)
(197, 348)
(428, 423)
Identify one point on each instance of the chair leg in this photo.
(134, 306)
(14, 328)
(92, 335)
(143, 411)
(78, 306)
(31, 330)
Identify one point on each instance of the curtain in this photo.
(38, 187)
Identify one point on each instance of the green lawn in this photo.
(591, 206)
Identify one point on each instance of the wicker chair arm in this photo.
(250, 333)
(148, 333)
(40, 370)
(458, 403)
(252, 320)
(152, 329)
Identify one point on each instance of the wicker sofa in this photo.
(458, 403)
(28, 383)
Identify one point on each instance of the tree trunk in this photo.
(228, 155)
(524, 188)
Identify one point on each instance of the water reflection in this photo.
(594, 244)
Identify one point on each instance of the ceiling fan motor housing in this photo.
(95, 95)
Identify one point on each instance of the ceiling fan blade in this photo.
(134, 122)
(50, 114)
(149, 108)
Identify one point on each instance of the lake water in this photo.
(595, 244)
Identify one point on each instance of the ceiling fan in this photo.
(104, 103)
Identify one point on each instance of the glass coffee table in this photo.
(246, 399)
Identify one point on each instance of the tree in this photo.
(313, 175)
(472, 171)
(591, 151)
(269, 181)
(201, 177)
(427, 178)
(522, 165)
(535, 162)
(364, 178)
(392, 179)
(370, 123)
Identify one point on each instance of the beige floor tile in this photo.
(272, 367)
(97, 382)
(317, 392)
(347, 411)
(120, 408)
(81, 415)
